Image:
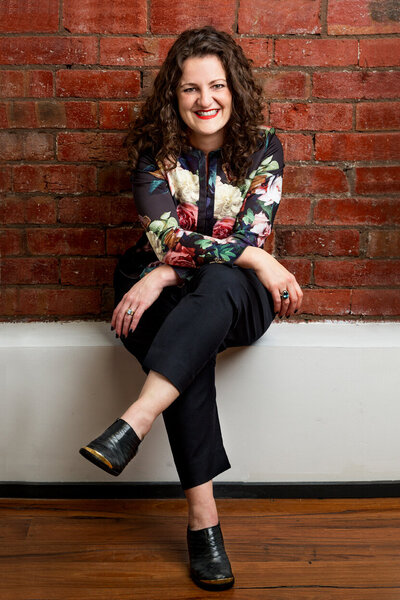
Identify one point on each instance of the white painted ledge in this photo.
(308, 402)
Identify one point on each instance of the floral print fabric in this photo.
(194, 215)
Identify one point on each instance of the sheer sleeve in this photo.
(178, 247)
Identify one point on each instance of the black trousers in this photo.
(180, 336)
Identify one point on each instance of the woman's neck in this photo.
(207, 143)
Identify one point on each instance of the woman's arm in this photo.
(275, 278)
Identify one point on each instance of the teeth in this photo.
(207, 113)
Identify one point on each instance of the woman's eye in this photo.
(188, 90)
(219, 86)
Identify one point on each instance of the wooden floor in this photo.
(136, 549)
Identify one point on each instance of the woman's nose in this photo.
(205, 98)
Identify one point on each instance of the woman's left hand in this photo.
(141, 295)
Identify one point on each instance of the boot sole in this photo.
(99, 460)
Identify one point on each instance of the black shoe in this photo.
(114, 448)
(210, 568)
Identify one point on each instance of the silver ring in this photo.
(285, 295)
(130, 312)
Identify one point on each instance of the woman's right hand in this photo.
(275, 278)
(140, 297)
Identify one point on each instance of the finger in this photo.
(276, 297)
(285, 302)
(123, 316)
(135, 319)
(292, 300)
(127, 321)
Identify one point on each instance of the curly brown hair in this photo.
(159, 127)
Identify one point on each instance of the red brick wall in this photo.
(72, 74)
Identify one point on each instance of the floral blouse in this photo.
(193, 214)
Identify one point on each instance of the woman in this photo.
(206, 184)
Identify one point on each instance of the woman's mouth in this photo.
(207, 114)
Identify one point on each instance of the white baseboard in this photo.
(308, 402)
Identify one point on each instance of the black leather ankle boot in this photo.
(210, 568)
(114, 448)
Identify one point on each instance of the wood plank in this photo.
(194, 593)
(176, 551)
(232, 507)
(351, 574)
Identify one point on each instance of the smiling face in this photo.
(204, 101)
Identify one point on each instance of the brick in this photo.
(58, 179)
(314, 180)
(134, 51)
(118, 115)
(357, 146)
(58, 302)
(12, 210)
(357, 273)
(20, 16)
(283, 85)
(385, 303)
(69, 241)
(11, 242)
(167, 16)
(11, 84)
(381, 52)
(326, 302)
(3, 115)
(34, 209)
(347, 17)
(40, 210)
(97, 84)
(114, 179)
(377, 180)
(26, 146)
(36, 84)
(383, 244)
(148, 80)
(377, 115)
(315, 117)
(103, 210)
(296, 146)
(48, 50)
(321, 242)
(313, 53)
(87, 147)
(102, 16)
(293, 211)
(5, 179)
(360, 211)
(81, 115)
(258, 50)
(121, 238)
(29, 270)
(299, 267)
(8, 301)
(277, 17)
(21, 114)
(87, 271)
(356, 84)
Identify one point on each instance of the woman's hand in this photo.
(141, 295)
(275, 278)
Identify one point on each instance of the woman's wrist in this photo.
(252, 258)
(165, 275)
